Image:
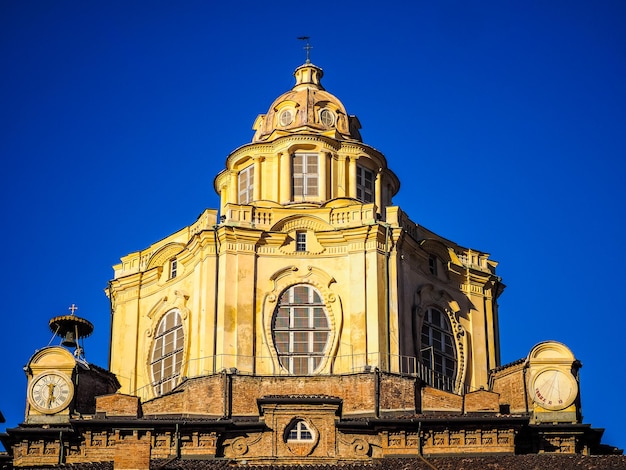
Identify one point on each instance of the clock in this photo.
(50, 392)
(554, 389)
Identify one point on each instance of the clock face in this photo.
(554, 389)
(50, 392)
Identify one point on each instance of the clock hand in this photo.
(51, 396)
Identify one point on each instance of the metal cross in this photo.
(73, 308)
(307, 48)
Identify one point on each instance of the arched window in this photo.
(301, 329)
(437, 349)
(299, 431)
(167, 352)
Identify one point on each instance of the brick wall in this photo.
(482, 401)
(132, 453)
(438, 400)
(203, 395)
(119, 405)
(509, 383)
(357, 391)
(397, 394)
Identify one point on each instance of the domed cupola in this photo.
(306, 152)
(307, 109)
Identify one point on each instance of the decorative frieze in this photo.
(471, 441)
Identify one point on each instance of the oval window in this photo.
(167, 352)
(438, 349)
(327, 117)
(301, 329)
(286, 117)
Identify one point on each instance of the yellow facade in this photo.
(307, 321)
(307, 204)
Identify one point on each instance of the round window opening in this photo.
(327, 117)
(299, 431)
(286, 117)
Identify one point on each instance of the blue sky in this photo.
(505, 122)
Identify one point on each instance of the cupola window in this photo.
(437, 350)
(305, 175)
(246, 185)
(286, 117)
(167, 352)
(327, 117)
(301, 329)
(364, 184)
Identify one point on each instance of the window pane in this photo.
(158, 350)
(297, 164)
(311, 164)
(365, 184)
(311, 186)
(281, 320)
(300, 317)
(300, 342)
(300, 365)
(320, 320)
(437, 341)
(300, 295)
(281, 340)
(156, 372)
(298, 185)
(178, 359)
(169, 343)
(170, 318)
(319, 341)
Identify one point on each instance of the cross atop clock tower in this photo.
(54, 393)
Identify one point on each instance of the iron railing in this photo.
(407, 366)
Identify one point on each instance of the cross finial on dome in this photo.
(307, 48)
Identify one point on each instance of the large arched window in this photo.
(300, 329)
(167, 352)
(437, 349)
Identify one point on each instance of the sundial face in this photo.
(554, 389)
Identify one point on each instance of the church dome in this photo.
(307, 108)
